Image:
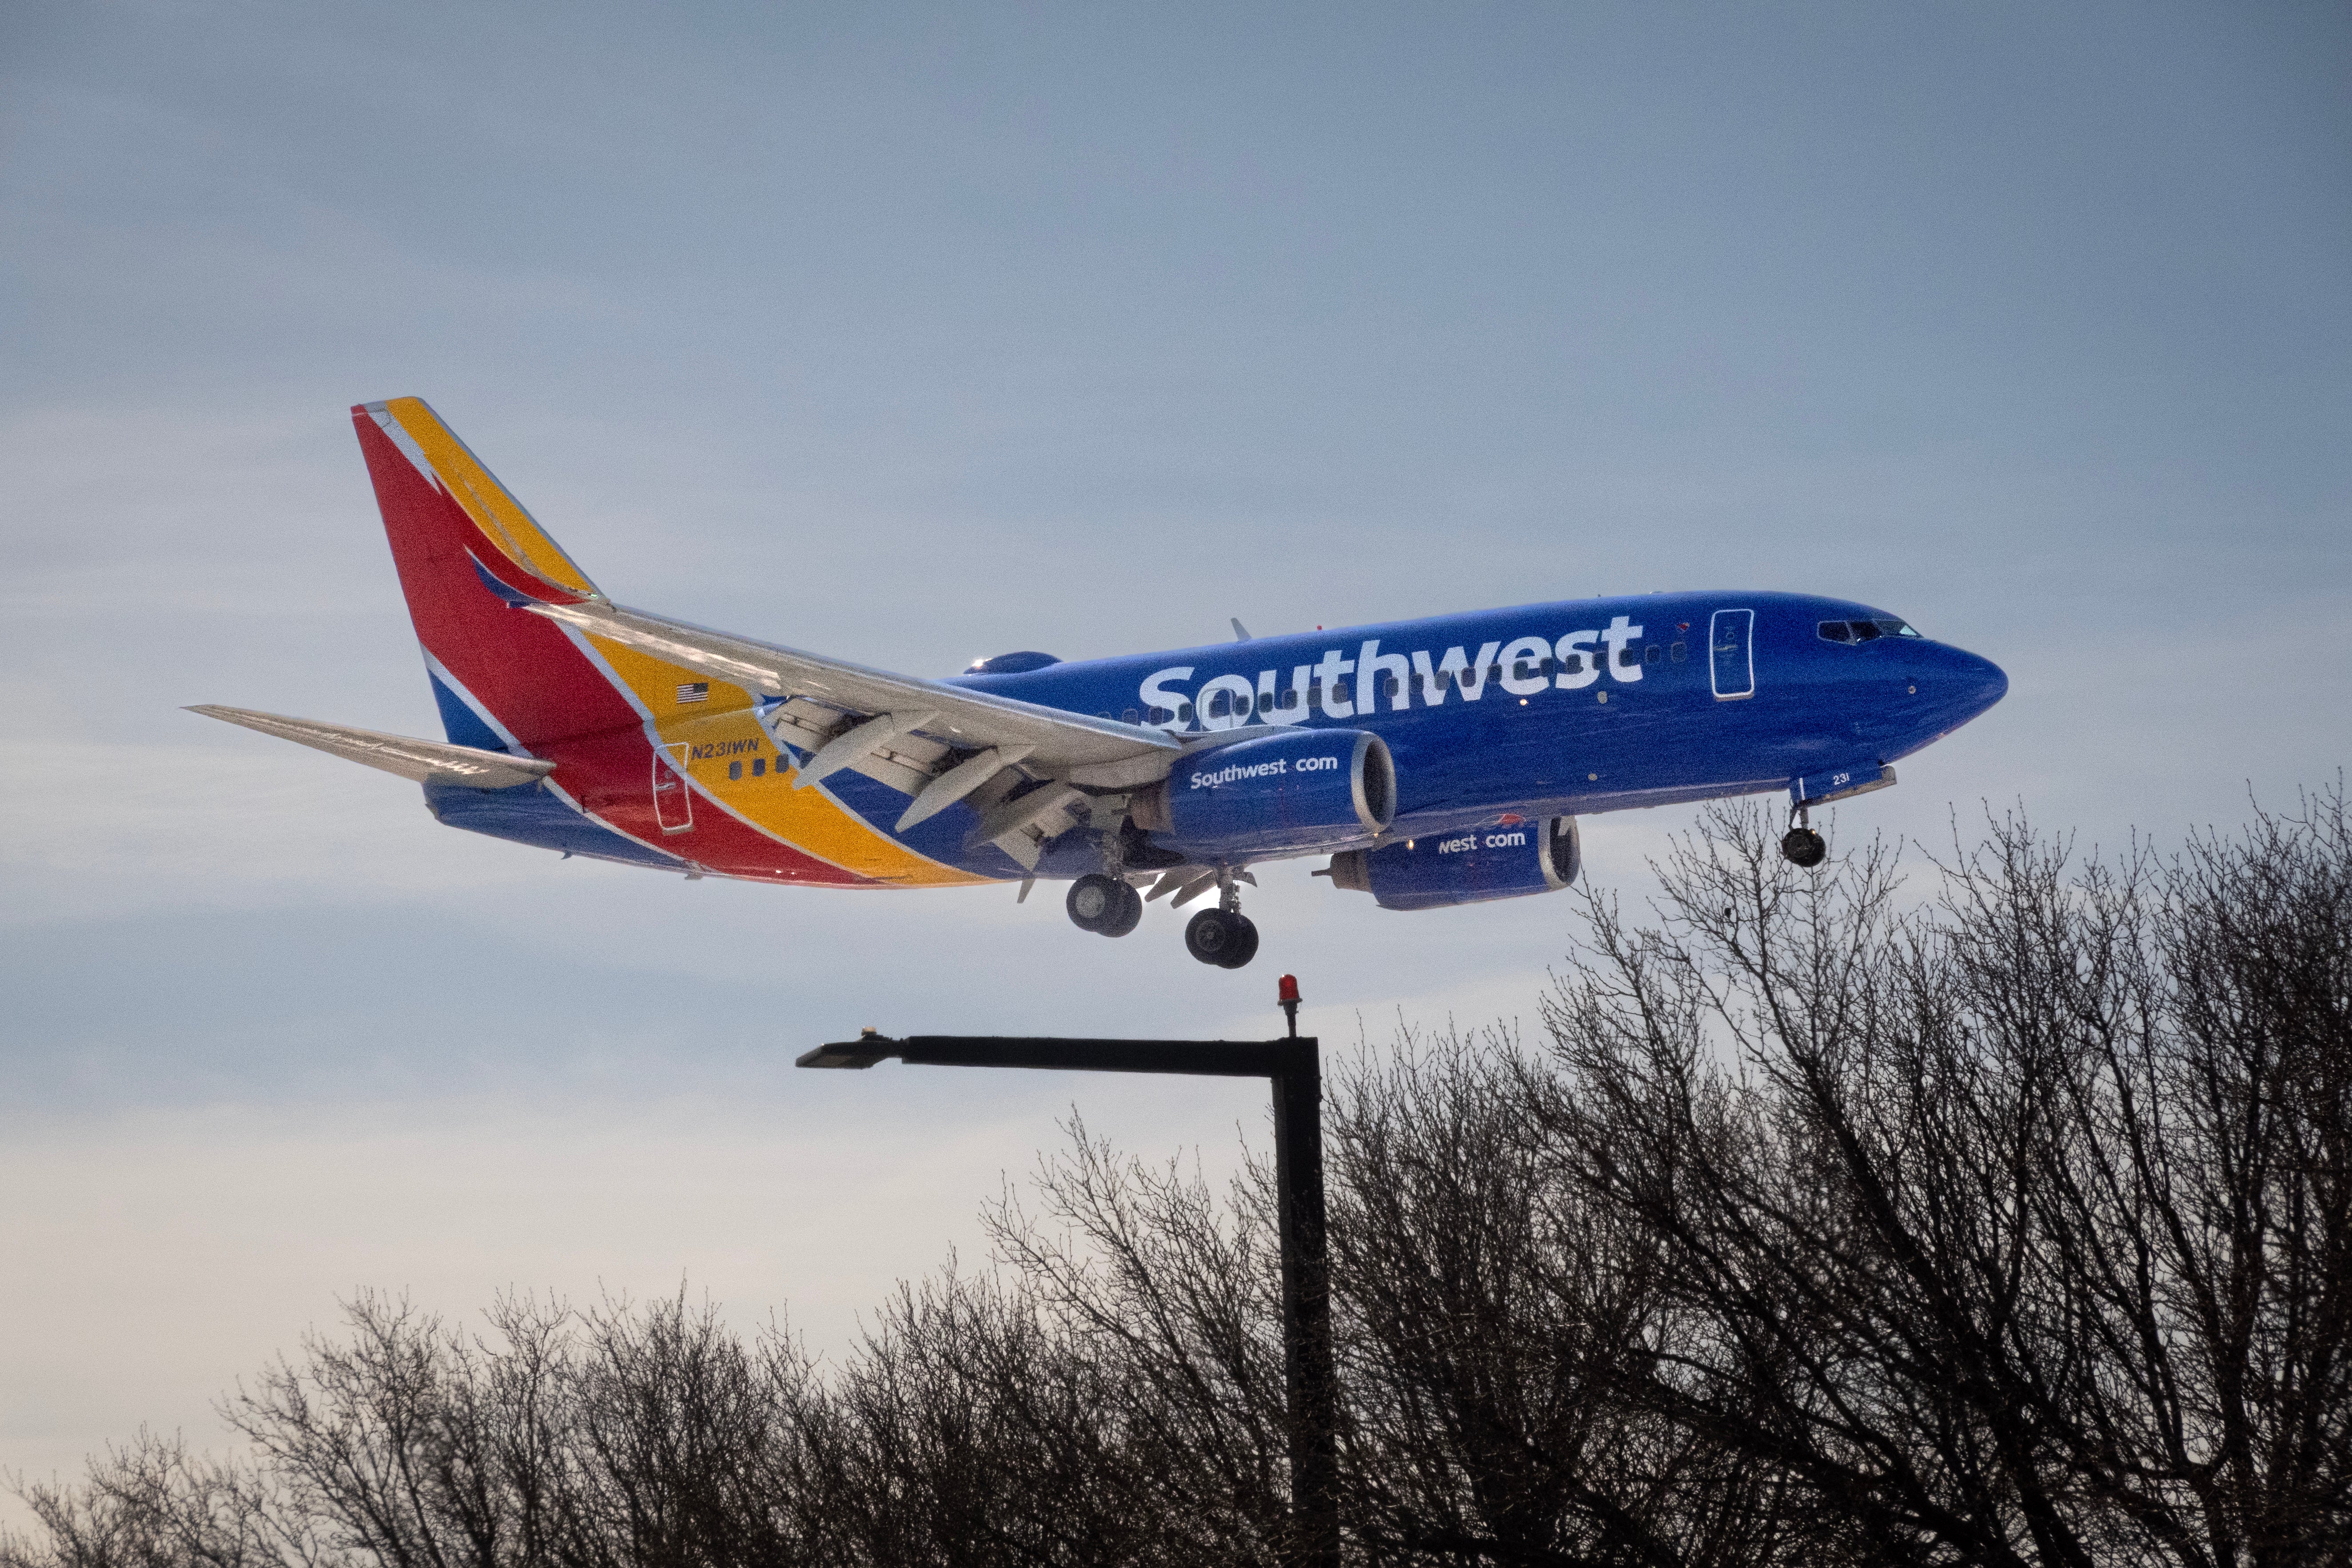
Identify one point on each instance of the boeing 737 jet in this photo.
(1435, 762)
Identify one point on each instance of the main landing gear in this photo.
(1222, 936)
(1104, 905)
(1103, 901)
(1226, 938)
(1800, 846)
(1107, 906)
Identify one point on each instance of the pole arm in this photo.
(1208, 1058)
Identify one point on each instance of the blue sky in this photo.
(922, 334)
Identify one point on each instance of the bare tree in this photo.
(153, 1505)
(2007, 1225)
(1486, 1310)
(1175, 1296)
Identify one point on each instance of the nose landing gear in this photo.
(1800, 846)
(1222, 936)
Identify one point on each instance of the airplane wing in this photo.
(904, 729)
(426, 762)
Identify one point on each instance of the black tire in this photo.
(1803, 846)
(1244, 949)
(1130, 912)
(1212, 935)
(1095, 903)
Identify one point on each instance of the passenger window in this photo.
(1131, 716)
(1679, 652)
(1628, 656)
(1835, 631)
(758, 767)
(1572, 665)
(1184, 712)
(735, 770)
(1651, 653)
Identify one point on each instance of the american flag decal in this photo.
(694, 691)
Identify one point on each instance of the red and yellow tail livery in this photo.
(673, 765)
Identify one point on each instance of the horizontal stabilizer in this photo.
(426, 762)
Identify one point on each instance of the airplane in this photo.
(1436, 763)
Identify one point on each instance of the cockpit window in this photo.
(1865, 631)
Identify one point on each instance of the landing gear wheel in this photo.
(1215, 936)
(1244, 950)
(1130, 912)
(1095, 903)
(1803, 846)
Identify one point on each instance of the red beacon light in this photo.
(1287, 990)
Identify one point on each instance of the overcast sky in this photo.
(919, 335)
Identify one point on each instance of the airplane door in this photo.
(673, 799)
(1731, 643)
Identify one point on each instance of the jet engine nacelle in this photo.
(1291, 791)
(1505, 862)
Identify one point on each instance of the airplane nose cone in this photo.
(1975, 683)
(1982, 677)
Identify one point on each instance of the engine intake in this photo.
(1471, 866)
(1295, 790)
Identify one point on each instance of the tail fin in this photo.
(469, 556)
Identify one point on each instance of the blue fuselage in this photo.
(1554, 710)
(1572, 708)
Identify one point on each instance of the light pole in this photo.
(1294, 1065)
